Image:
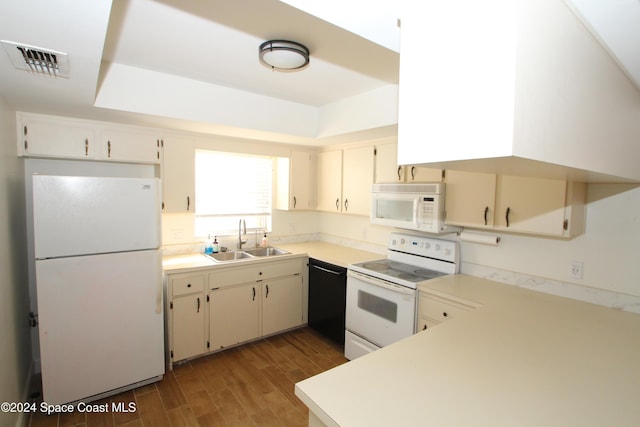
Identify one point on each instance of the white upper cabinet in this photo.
(529, 205)
(330, 181)
(67, 138)
(517, 86)
(133, 145)
(357, 178)
(470, 199)
(295, 181)
(178, 174)
(345, 178)
(387, 169)
(44, 136)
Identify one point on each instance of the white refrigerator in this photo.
(99, 285)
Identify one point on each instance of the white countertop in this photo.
(523, 358)
(328, 252)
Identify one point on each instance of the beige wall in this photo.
(609, 248)
(15, 353)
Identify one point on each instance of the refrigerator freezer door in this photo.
(74, 215)
(101, 323)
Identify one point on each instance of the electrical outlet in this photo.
(575, 269)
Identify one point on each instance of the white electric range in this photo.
(382, 294)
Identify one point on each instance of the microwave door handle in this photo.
(416, 212)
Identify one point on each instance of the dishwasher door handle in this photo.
(337, 273)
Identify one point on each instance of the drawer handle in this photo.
(188, 285)
(424, 328)
(444, 313)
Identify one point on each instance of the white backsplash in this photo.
(602, 297)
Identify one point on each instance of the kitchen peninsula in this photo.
(522, 358)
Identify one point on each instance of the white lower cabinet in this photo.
(234, 315)
(281, 304)
(232, 304)
(434, 309)
(187, 321)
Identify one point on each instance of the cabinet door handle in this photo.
(506, 215)
(413, 173)
(267, 295)
(254, 294)
(109, 149)
(294, 202)
(486, 211)
(198, 310)
(424, 328)
(188, 202)
(337, 204)
(25, 131)
(86, 146)
(444, 314)
(346, 205)
(399, 173)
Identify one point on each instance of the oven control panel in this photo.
(441, 249)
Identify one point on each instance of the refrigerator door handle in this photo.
(159, 297)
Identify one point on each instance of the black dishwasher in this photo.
(327, 299)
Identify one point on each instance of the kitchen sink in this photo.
(246, 254)
(268, 251)
(229, 256)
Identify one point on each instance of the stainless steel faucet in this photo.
(242, 229)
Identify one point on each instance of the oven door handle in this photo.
(380, 283)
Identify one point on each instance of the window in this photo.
(231, 187)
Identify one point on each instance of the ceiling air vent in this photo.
(37, 60)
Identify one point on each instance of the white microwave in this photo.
(410, 206)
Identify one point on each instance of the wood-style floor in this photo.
(250, 385)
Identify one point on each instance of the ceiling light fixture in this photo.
(284, 55)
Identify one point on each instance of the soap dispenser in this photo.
(216, 246)
(208, 246)
(264, 243)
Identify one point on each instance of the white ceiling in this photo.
(193, 64)
(616, 24)
(217, 42)
(212, 46)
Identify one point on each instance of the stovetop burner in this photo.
(376, 266)
(410, 277)
(423, 272)
(396, 272)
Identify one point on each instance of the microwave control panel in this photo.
(430, 214)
